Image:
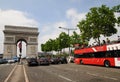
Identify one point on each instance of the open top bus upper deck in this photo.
(105, 47)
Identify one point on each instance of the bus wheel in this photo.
(107, 64)
(81, 62)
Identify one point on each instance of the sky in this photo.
(47, 15)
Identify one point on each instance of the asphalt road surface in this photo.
(5, 70)
(72, 73)
(58, 73)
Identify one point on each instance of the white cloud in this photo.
(51, 31)
(14, 17)
(60, 24)
(117, 14)
(74, 16)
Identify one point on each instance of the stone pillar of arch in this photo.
(14, 34)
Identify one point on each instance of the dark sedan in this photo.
(63, 60)
(54, 61)
(43, 61)
(32, 61)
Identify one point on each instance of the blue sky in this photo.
(52, 10)
(47, 15)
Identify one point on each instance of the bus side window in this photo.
(115, 54)
(118, 53)
(108, 54)
(86, 55)
(96, 55)
(99, 54)
(93, 55)
(102, 54)
(112, 54)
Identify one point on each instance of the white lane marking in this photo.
(66, 78)
(26, 77)
(110, 78)
(10, 74)
(102, 76)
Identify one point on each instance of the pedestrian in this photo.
(104, 42)
(18, 59)
(107, 40)
(118, 39)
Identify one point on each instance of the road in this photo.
(5, 69)
(59, 73)
(72, 73)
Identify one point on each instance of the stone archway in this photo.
(23, 49)
(13, 34)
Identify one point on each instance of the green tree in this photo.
(99, 21)
(42, 47)
(64, 40)
(75, 38)
(116, 8)
(57, 44)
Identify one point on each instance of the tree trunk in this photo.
(98, 41)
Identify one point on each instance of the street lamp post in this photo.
(68, 29)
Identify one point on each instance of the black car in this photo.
(43, 61)
(63, 60)
(54, 61)
(32, 61)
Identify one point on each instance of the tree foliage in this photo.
(75, 38)
(57, 44)
(116, 8)
(99, 21)
(64, 40)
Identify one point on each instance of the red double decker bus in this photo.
(105, 55)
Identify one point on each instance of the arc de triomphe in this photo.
(14, 34)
